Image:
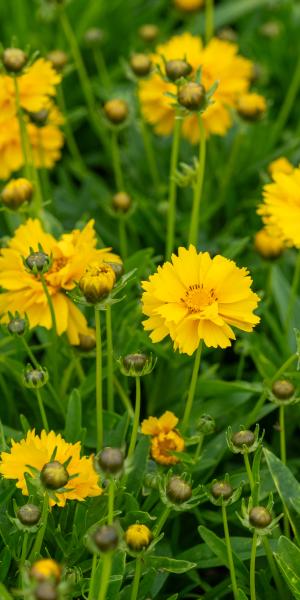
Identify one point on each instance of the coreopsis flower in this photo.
(46, 142)
(251, 106)
(268, 243)
(31, 454)
(195, 297)
(188, 5)
(24, 291)
(219, 62)
(165, 439)
(16, 192)
(281, 206)
(280, 165)
(138, 537)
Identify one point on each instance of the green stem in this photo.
(192, 388)
(23, 134)
(70, 138)
(41, 532)
(136, 579)
(101, 68)
(193, 233)
(105, 575)
(284, 367)
(199, 447)
(249, 471)
(227, 176)
(173, 187)
(42, 410)
(273, 568)
(293, 295)
(92, 578)
(124, 397)
(123, 238)
(252, 567)
(24, 550)
(54, 329)
(161, 521)
(283, 459)
(111, 499)
(287, 105)
(116, 161)
(99, 391)
(209, 20)
(136, 419)
(150, 155)
(229, 554)
(110, 369)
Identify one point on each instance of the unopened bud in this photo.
(243, 438)
(140, 64)
(260, 517)
(138, 537)
(94, 37)
(121, 202)
(283, 389)
(29, 514)
(35, 377)
(16, 192)
(14, 59)
(175, 69)
(110, 460)
(40, 117)
(38, 262)
(106, 538)
(116, 111)
(54, 475)
(148, 32)
(58, 58)
(191, 95)
(87, 342)
(178, 490)
(97, 281)
(17, 326)
(46, 591)
(221, 489)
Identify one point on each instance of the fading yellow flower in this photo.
(219, 61)
(25, 294)
(138, 537)
(165, 438)
(37, 450)
(196, 297)
(268, 243)
(281, 206)
(280, 165)
(251, 106)
(188, 5)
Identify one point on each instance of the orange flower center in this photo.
(197, 298)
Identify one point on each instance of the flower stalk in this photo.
(171, 218)
(136, 579)
(229, 554)
(192, 388)
(99, 390)
(252, 567)
(136, 419)
(193, 233)
(110, 369)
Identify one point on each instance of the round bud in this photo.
(94, 37)
(35, 378)
(221, 489)
(227, 34)
(16, 192)
(54, 475)
(178, 490)
(268, 245)
(191, 95)
(140, 64)
(116, 111)
(121, 202)
(97, 282)
(118, 268)
(188, 6)
(138, 537)
(17, 326)
(58, 58)
(46, 591)
(87, 342)
(243, 438)
(110, 460)
(106, 538)
(271, 29)
(177, 68)
(134, 363)
(37, 262)
(45, 569)
(251, 107)
(206, 424)
(14, 59)
(283, 389)
(260, 517)
(40, 117)
(29, 514)
(148, 32)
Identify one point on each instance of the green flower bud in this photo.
(46, 591)
(175, 69)
(283, 389)
(116, 111)
(35, 378)
(17, 326)
(58, 58)
(136, 365)
(260, 517)
(38, 262)
(14, 59)
(94, 37)
(221, 489)
(54, 475)
(243, 438)
(29, 514)
(121, 202)
(192, 96)
(140, 64)
(206, 424)
(106, 538)
(110, 460)
(178, 490)
(148, 32)
(87, 342)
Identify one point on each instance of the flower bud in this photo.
(54, 475)
(38, 262)
(121, 202)
(116, 111)
(271, 29)
(138, 537)
(221, 489)
(97, 281)
(29, 514)
(251, 106)
(227, 34)
(58, 58)
(110, 460)
(118, 269)
(94, 37)
(46, 591)
(40, 117)
(283, 389)
(35, 378)
(106, 538)
(87, 342)
(45, 568)
(16, 192)
(260, 517)
(17, 326)
(178, 490)
(191, 95)
(188, 5)
(243, 438)
(148, 32)
(140, 64)
(269, 246)
(14, 59)
(206, 424)
(135, 365)
(175, 69)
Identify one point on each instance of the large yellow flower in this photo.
(70, 254)
(36, 451)
(281, 206)
(196, 297)
(219, 61)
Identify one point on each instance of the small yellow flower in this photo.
(45, 568)
(37, 450)
(280, 165)
(138, 537)
(188, 5)
(251, 106)
(97, 281)
(165, 438)
(268, 244)
(16, 192)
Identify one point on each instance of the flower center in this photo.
(197, 298)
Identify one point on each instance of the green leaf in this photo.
(172, 565)
(73, 429)
(5, 560)
(136, 475)
(4, 594)
(242, 595)
(288, 560)
(218, 546)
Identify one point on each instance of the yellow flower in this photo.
(138, 537)
(36, 451)
(219, 61)
(165, 438)
(281, 206)
(97, 281)
(268, 243)
(280, 165)
(196, 297)
(16, 192)
(25, 293)
(251, 106)
(188, 5)
(11, 157)
(46, 142)
(45, 568)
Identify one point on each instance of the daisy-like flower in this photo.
(37, 451)
(280, 165)
(196, 297)
(219, 61)
(164, 438)
(281, 206)
(25, 294)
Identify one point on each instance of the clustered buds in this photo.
(16, 192)
(140, 64)
(121, 202)
(54, 475)
(136, 365)
(175, 69)
(138, 537)
(97, 281)
(29, 514)
(191, 96)
(110, 460)
(106, 538)
(14, 59)
(116, 111)
(35, 378)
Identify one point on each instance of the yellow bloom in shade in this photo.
(165, 438)
(188, 5)
(25, 294)
(138, 537)
(281, 206)
(195, 297)
(219, 61)
(11, 157)
(268, 243)
(251, 106)
(45, 568)
(46, 142)
(36, 451)
(280, 165)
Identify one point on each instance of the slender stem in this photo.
(124, 397)
(283, 459)
(22, 127)
(24, 550)
(110, 369)
(116, 161)
(101, 68)
(105, 575)
(150, 155)
(293, 295)
(123, 238)
(92, 578)
(99, 394)
(287, 105)
(54, 329)
(273, 568)
(42, 410)
(284, 367)
(193, 234)
(136, 579)
(161, 521)
(199, 447)
(173, 187)
(41, 532)
(136, 419)
(209, 20)
(227, 176)
(192, 388)
(249, 471)
(252, 567)
(70, 138)
(111, 499)
(229, 554)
